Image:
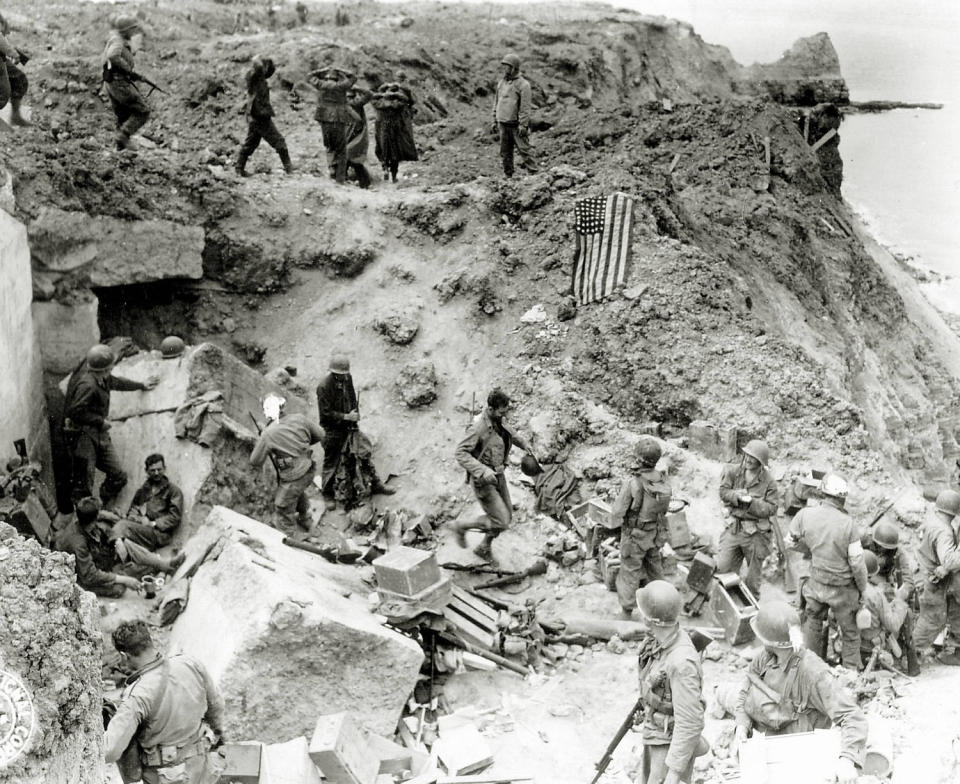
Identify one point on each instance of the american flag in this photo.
(603, 227)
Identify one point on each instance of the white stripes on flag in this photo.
(603, 250)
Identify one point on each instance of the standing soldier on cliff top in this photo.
(260, 123)
(13, 82)
(511, 116)
(130, 107)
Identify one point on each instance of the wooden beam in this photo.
(824, 139)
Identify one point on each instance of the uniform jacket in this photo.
(258, 94)
(87, 401)
(332, 99)
(163, 504)
(288, 440)
(886, 615)
(897, 568)
(827, 532)
(485, 447)
(755, 515)
(632, 508)
(812, 694)
(118, 54)
(90, 556)
(512, 102)
(336, 396)
(671, 688)
(938, 546)
(167, 716)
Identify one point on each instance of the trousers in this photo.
(737, 546)
(511, 139)
(93, 449)
(129, 107)
(13, 83)
(263, 128)
(939, 608)
(640, 563)
(496, 504)
(843, 600)
(655, 770)
(291, 499)
(142, 534)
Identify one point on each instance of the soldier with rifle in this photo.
(129, 105)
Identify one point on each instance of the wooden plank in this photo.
(467, 629)
(824, 139)
(478, 604)
(470, 613)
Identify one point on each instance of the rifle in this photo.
(273, 460)
(109, 74)
(884, 510)
(700, 641)
(789, 578)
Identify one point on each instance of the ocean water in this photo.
(901, 168)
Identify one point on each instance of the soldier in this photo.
(939, 557)
(13, 81)
(789, 689)
(511, 116)
(838, 576)
(335, 115)
(287, 441)
(85, 424)
(887, 615)
(897, 569)
(156, 510)
(129, 106)
(260, 123)
(165, 703)
(749, 495)
(640, 511)
(671, 688)
(483, 453)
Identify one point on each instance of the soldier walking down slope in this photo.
(749, 494)
(640, 510)
(260, 125)
(85, 426)
(671, 689)
(939, 557)
(789, 689)
(838, 576)
(511, 116)
(129, 106)
(483, 454)
(13, 81)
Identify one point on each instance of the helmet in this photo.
(834, 486)
(948, 502)
(126, 25)
(759, 450)
(886, 535)
(530, 466)
(773, 622)
(510, 59)
(647, 452)
(872, 562)
(100, 357)
(659, 603)
(171, 347)
(339, 363)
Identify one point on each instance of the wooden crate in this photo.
(473, 619)
(590, 514)
(434, 597)
(339, 749)
(406, 570)
(800, 758)
(241, 763)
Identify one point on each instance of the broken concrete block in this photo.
(339, 750)
(702, 437)
(406, 570)
(65, 332)
(283, 643)
(463, 750)
(728, 443)
(288, 763)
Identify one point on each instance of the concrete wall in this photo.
(21, 383)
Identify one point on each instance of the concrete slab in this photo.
(289, 637)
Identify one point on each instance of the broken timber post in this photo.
(824, 139)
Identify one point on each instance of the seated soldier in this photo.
(156, 510)
(97, 552)
(886, 616)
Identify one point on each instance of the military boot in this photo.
(288, 166)
(240, 167)
(16, 118)
(459, 528)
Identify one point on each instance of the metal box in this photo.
(678, 531)
(700, 576)
(733, 606)
(407, 571)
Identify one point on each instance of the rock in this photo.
(536, 315)
(114, 252)
(50, 642)
(567, 310)
(417, 383)
(616, 645)
(399, 328)
(283, 644)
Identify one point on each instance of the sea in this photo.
(901, 168)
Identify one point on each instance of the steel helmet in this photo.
(872, 563)
(659, 603)
(511, 59)
(773, 622)
(126, 25)
(171, 347)
(948, 502)
(886, 535)
(530, 465)
(834, 486)
(647, 452)
(100, 357)
(759, 450)
(340, 363)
